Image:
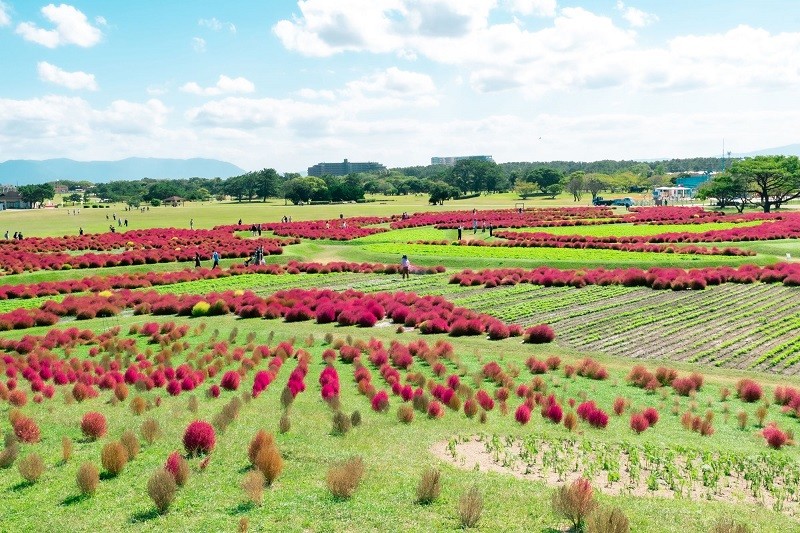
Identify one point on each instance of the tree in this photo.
(544, 177)
(575, 185)
(266, 183)
(771, 180)
(304, 189)
(37, 194)
(553, 190)
(440, 191)
(595, 184)
(726, 189)
(476, 175)
(525, 189)
(75, 198)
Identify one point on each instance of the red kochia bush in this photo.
(774, 436)
(380, 402)
(523, 414)
(639, 422)
(748, 390)
(93, 425)
(199, 438)
(540, 334)
(230, 381)
(651, 415)
(26, 429)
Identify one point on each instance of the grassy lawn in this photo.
(635, 230)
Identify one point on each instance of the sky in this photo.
(287, 84)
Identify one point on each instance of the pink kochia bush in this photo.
(748, 390)
(199, 438)
(380, 402)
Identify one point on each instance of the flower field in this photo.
(321, 390)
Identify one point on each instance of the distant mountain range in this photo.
(26, 171)
(789, 149)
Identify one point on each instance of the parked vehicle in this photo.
(627, 201)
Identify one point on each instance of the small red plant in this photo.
(639, 423)
(651, 415)
(774, 436)
(523, 414)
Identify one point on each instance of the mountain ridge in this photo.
(29, 171)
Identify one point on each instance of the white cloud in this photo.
(100, 21)
(313, 94)
(157, 90)
(5, 18)
(636, 17)
(541, 8)
(71, 27)
(217, 25)
(198, 44)
(224, 85)
(71, 80)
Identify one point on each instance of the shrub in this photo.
(608, 521)
(619, 406)
(131, 444)
(199, 438)
(470, 408)
(150, 430)
(343, 478)
(523, 414)
(230, 381)
(138, 405)
(178, 467)
(570, 421)
(113, 457)
(200, 309)
(470, 507)
(161, 488)
(253, 486)
(575, 502)
(66, 449)
(9, 454)
(405, 413)
(87, 478)
(261, 439)
(741, 418)
(540, 334)
(355, 418)
(429, 487)
(270, 463)
(341, 423)
(93, 425)
(380, 402)
(31, 467)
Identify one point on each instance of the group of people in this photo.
(257, 258)
(214, 260)
(286, 219)
(255, 229)
(17, 235)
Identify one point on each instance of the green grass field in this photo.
(395, 454)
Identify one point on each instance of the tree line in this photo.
(440, 182)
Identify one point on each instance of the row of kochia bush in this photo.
(576, 216)
(544, 240)
(137, 247)
(137, 280)
(430, 314)
(340, 229)
(654, 278)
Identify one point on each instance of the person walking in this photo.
(191, 223)
(405, 266)
(80, 232)
(197, 259)
(459, 232)
(215, 259)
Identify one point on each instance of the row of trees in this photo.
(764, 181)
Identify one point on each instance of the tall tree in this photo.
(266, 183)
(544, 177)
(595, 184)
(726, 189)
(772, 180)
(575, 185)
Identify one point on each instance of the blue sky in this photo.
(287, 84)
